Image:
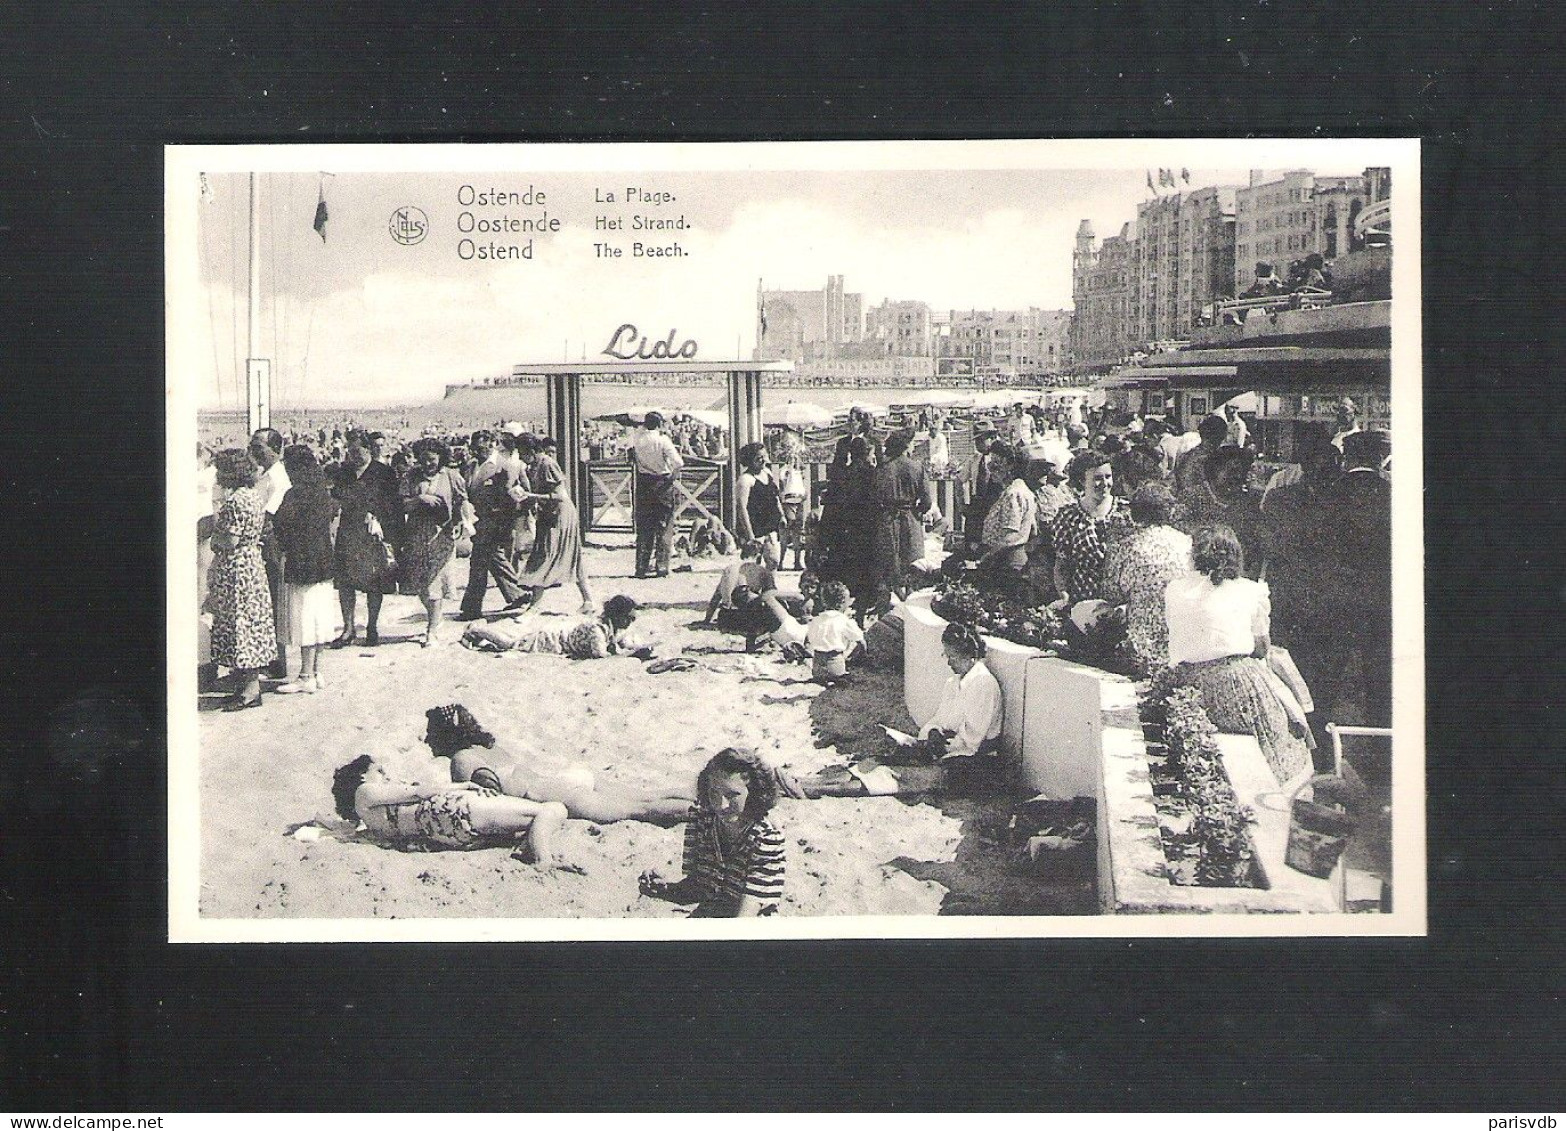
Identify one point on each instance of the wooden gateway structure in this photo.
(604, 494)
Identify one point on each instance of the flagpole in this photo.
(259, 411)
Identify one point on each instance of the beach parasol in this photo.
(796, 414)
(708, 417)
(942, 398)
(865, 406)
(633, 415)
(1245, 402)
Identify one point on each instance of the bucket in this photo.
(1317, 833)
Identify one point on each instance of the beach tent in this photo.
(796, 414)
(865, 406)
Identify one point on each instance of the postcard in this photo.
(808, 540)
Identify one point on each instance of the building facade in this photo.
(1101, 294)
(1182, 261)
(804, 326)
(902, 329)
(1032, 343)
(1298, 215)
(863, 366)
(1154, 283)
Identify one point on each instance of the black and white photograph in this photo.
(817, 540)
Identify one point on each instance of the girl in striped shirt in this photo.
(733, 857)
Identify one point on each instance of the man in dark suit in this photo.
(495, 514)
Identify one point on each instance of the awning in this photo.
(1187, 360)
(1164, 372)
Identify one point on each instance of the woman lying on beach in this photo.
(476, 758)
(733, 856)
(457, 816)
(589, 640)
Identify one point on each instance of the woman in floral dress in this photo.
(243, 636)
(432, 498)
(1140, 567)
(1083, 531)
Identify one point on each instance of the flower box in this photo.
(1133, 867)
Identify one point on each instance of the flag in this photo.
(763, 318)
(320, 215)
(1150, 187)
(1185, 175)
(207, 195)
(1166, 178)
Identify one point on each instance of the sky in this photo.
(361, 319)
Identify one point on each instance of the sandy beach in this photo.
(265, 772)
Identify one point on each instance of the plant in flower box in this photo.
(1203, 826)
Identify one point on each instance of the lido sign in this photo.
(628, 344)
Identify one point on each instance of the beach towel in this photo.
(878, 780)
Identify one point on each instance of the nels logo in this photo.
(409, 225)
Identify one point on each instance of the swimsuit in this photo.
(444, 821)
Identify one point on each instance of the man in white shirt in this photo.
(1175, 444)
(657, 462)
(1239, 434)
(266, 448)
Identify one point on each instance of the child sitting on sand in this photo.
(462, 816)
(707, 538)
(833, 638)
(733, 856)
(793, 614)
(605, 635)
(454, 733)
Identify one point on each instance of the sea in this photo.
(467, 409)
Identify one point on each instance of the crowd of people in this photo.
(692, 438)
(1163, 529)
(284, 525)
(1069, 510)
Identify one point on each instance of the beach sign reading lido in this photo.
(620, 345)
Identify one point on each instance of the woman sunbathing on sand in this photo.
(454, 733)
(459, 816)
(605, 635)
